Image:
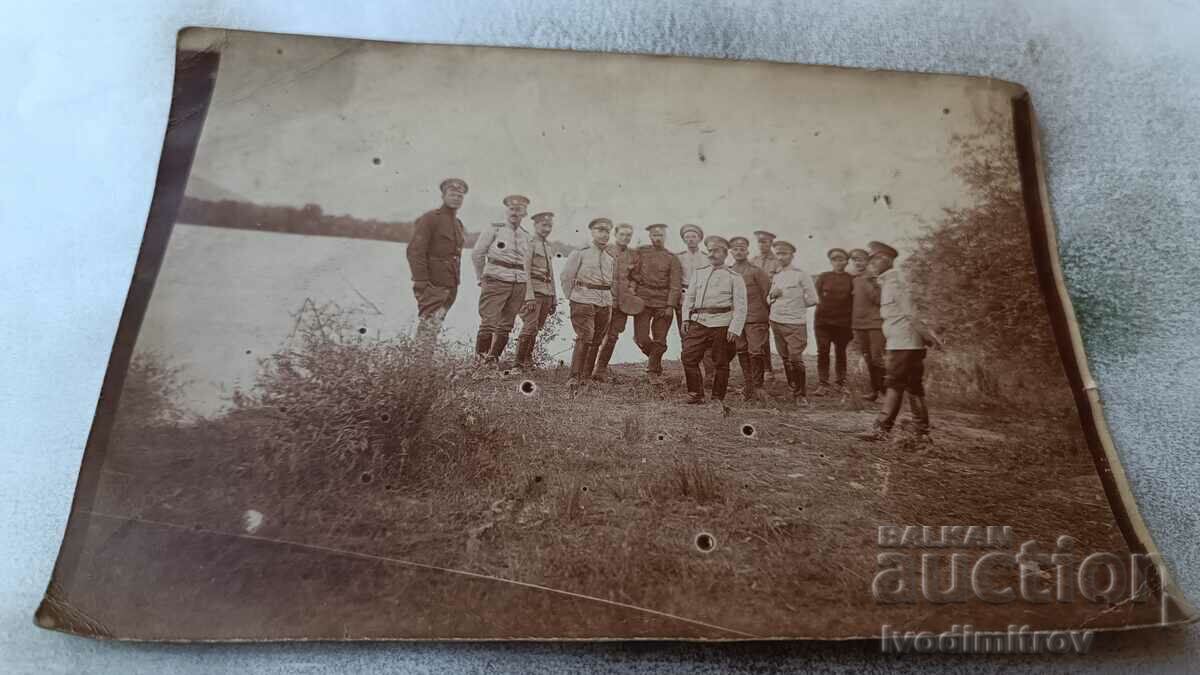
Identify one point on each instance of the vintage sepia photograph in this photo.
(449, 342)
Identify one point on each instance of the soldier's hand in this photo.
(732, 337)
(419, 287)
(529, 306)
(666, 312)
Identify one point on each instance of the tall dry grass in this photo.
(338, 407)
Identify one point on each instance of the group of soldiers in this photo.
(721, 310)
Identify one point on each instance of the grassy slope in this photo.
(601, 494)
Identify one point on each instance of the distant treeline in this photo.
(309, 219)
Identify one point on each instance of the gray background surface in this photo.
(1116, 85)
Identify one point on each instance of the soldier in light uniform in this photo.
(690, 259)
(499, 257)
(624, 260)
(767, 262)
(434, 257)
(715, 310)
(540, 300)
(751, 344)
(658, 276)
(907, 338)
(587, 281)
(792, 293)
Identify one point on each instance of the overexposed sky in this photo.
(370, 129)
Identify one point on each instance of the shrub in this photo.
(337, 406)
(973, 271)
(149, 398)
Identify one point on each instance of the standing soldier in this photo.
(624, 259)
(907, 337)
(658, 277)
(500, 258)
(714, 308)
(434, 256)
(858, 261)
(540, 300)
(792, 293)
(690, 260)
(767, 262)
(835, 304)
(867, 325)
(751, 344)
(587, 282)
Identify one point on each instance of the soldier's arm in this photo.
(479, 253)
(418, 251)
(568, 275)
(872, 290)
(763, 284)
(810, 291)
(676, 283)
(739, 306)
(689, 300)
(635, 273)
(529, 295)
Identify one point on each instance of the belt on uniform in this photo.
(711, 310)
(505, 263)
(595, 287)
(657, 288)
(540, 277)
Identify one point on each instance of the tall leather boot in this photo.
(600, 374)
(920, 414)
(886, 418)
(578, 355)
(800, 388)
(747, 375)
(525, 352)
(483, 344)
(878, 380)
(756, 372)
(654, 366)
(589, 361)
(499, 342)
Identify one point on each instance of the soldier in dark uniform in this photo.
(658, 278)
(835, 297)
(624, 257)
(769, 263)
(867, 325)
(751, 344)
(434, 257)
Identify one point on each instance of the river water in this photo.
(225, 298)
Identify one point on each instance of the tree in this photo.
(973, 272)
